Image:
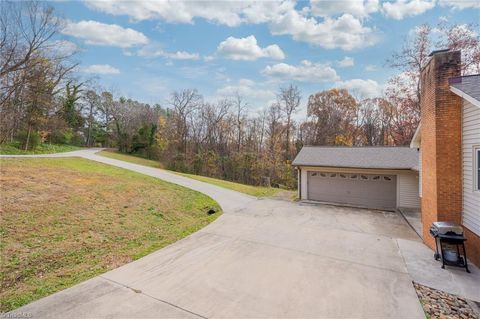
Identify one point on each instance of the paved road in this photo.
(262, 258)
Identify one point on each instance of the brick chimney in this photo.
(441, 119)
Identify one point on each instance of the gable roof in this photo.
(468, 87)
(358, 157)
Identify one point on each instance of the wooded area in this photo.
(41, 101)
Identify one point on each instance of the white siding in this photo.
(470, 139)
(304, 185)
(408, 190)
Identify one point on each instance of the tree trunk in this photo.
(28, 137)
(287, 145)
(89, 134)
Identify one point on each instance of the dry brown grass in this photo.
(66, 220)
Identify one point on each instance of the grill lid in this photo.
(443, 228)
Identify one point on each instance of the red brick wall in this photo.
(473, 246)
(441, 143)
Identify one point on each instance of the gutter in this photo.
(357, 167)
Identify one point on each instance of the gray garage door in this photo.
(366, 190)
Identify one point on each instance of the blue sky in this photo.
(146, 49)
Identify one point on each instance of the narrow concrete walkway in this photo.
(262, 258)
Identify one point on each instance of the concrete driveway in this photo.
(263, 258)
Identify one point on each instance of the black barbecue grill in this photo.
(449, 237)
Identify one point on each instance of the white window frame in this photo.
(476, 161)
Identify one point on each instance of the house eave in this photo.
(417, 137)
(465, 96)
(357, 167)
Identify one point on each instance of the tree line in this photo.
(41, 101)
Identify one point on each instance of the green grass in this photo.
(67, 220)
(131, 158)
(15, 149)
(257, 191)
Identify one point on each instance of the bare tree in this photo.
(414, 54)
(27, 28)
(289, 101)
(465, 38)
(28, 53)
(184, 103)
(240, 107)
(93, 105)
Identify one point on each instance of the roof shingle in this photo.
(359, 157)
(469, 85)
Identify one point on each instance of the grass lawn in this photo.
(14, 149)
(257, 191)
(66, 220)
(130, 158)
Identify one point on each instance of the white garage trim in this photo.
(408, 193)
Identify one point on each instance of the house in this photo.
(449, 143)
(439, 173)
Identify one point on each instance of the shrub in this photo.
(77, 139)
(33, 140)
(61, 137)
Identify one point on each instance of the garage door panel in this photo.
(368, 190)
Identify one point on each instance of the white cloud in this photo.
(256, 94)
(155, 51)
(97, 33)
(306, 72)
(443, 19)
(246, 88)
(346, 62)
(208, 58)
(404, 8)
(361, 88)
(101, 69)
(358, 8)
(226, 13)
(460, 4)
(183, 55)
(247, 49)
(370, 68)
(346, 32)
(63, 47)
